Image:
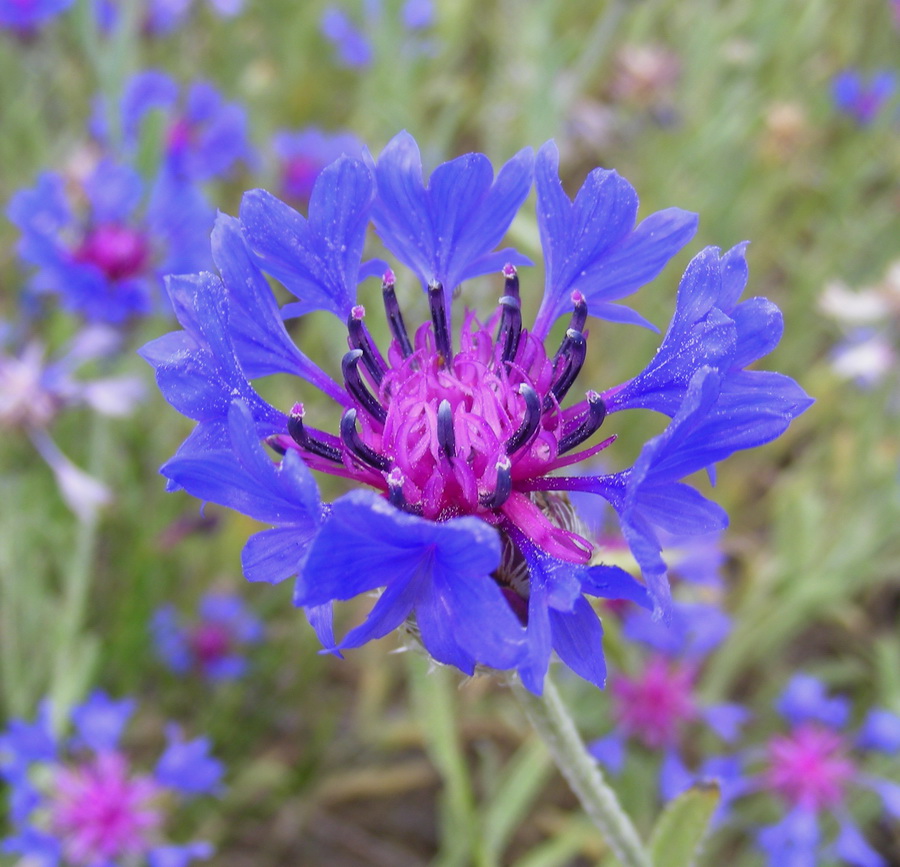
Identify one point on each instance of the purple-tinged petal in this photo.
(805, 698)
(889, 792)
(852, 848)
(609, 751)
(674, 776)
(273, 555)
(612, 582)
(179, 856)
(792, 842)
(726, 720)
(880, 731)
(186, 766)
(100, 721)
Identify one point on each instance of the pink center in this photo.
(654, 706)
(101, 813)
(809, 768)
(210, 642)
(298, 175)
(118, 251)
(471, 432)
(180, 135)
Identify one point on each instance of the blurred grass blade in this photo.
(682, 828)
(520, 784)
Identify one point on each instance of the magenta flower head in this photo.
(458, 439)
(811, 771)
(213, 643)
(102, 246)
(81, 802)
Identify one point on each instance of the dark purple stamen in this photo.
(530, 421)
(569, 361)
(307, 442)
(510, 329)
(352, 440)
(439, 319)
(590, 423)
(356, 388)
(394, 315)
(358, 337)
(503, 486)
(446, 436)
(579, 314)
(395, 480)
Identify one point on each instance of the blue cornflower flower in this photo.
(462, 524)
(655, 707)
(162, 17)
(811, 770)
(863, 97)
(26, 16)
(212, 644)
(104, 249)
(79, 800)
(205, 137)
(302, 155)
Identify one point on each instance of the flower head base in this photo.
(466, 524)
(655, 706)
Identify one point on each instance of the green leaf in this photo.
(682, 828)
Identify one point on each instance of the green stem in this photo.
(551, 720)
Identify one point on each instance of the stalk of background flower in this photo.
(550, 719)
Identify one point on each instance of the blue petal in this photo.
(446, 232)
(316, 259)
(100, 721)
(592, 244)
(674, 777)
(247, 480)
(114, 191)
(186, 766)
(852, 847)
(792, 842)
(261, 341)
(609, 751)
(392, 608)
(880, 731)
(577, 637)
(274, 555)
(805, 698)
(612, 582)
(178, 856)
(726, 720)
(142, 93)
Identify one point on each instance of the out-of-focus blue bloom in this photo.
(162, 17)
(655, 707)
(80, 801)
(35, 390)
(104, 248)
(26, 16)
(213, 643)
(354, 43)
(812, 769)
(459, 439)
(353, 47)
(863, 97)
(204, 137)
(302, 155)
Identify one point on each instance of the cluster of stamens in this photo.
(446, 433)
